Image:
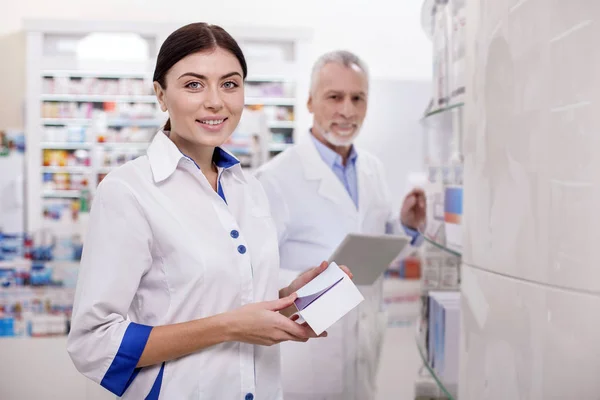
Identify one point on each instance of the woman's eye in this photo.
(193, 85)
(230, 85)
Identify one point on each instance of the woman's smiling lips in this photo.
(212, 124)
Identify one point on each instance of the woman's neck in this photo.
(202, 155)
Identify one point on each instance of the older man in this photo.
(320, 190)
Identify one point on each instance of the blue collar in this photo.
(164, 157)
(223, 159)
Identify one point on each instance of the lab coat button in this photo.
(249, 396)
(241, 249)
(234, 234)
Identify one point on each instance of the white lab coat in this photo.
(313, 213)
(164, 248)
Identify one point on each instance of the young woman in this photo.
(177, 296)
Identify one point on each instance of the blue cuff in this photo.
(123, 369)
(417, 238)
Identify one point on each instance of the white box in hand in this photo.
(327, 298)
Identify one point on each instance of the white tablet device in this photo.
(368, 256)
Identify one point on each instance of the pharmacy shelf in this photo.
(66, 170)
(66, 145)
(270, 101)
(268, 79)
(90, 145)
(45, 62)
(105, 170)
(97, 98)
(279, 146)
(281, 124)
(426, 290)
(66, 121)
(117, 122)
(124, 145)
(20, 263)
(59, 73)
(61, 194)
(443, 110)
(449, 391)
(441, 246)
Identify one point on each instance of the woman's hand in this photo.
(302, 280)
(262, 324)
(308, 276)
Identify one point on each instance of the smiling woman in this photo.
(177, 295)
(199, 80)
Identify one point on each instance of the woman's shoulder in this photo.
(252, 183)
(126, 179)
(137, 170)
(255, 190)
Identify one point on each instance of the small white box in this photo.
(327, 298)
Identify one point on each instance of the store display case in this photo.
(437, 333)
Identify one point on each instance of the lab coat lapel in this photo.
(330, 186)
(366, 177)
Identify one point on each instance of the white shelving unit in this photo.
(105, 113)
(90, 98)
(443, 21)
(111, 122)
(270, 101)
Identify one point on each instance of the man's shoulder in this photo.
(368, 159)
(281, 164)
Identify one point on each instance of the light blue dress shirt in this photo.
(347, 175)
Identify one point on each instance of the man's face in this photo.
(338, 103)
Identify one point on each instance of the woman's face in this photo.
(204, 96)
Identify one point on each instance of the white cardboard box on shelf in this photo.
(443, 341)
(453, 210)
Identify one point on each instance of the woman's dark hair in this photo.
(190, 39)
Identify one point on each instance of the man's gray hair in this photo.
(342, 57)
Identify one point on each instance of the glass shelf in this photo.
(441, 246)
(448, 391)
(443, 109)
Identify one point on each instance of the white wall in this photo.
(385, 33)
(393, 132)
(530, 279)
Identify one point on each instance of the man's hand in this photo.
(413, 214)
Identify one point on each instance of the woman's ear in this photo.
(160, 95)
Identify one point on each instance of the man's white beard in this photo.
(337, 140)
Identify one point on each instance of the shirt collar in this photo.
(164, 157)
(330, 157)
